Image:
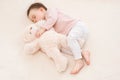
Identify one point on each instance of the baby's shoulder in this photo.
(52, 10)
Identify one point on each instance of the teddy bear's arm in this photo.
(32, 47)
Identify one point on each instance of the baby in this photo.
(74, 29)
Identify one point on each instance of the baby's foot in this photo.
(78, 66)
(86, 56)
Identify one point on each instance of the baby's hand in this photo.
(40, 32)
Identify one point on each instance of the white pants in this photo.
(76, 39)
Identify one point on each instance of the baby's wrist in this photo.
(44, 29)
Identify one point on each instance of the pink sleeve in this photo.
(51, 18)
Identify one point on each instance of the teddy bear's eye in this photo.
(30, 33)
(30, 28)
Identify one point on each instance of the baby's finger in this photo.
(38, 35)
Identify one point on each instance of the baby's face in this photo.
(36, 15)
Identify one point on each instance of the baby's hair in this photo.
(35, 6)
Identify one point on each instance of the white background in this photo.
(103, 20)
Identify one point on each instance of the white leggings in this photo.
(76, 39)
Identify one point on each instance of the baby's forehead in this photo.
(33, 11)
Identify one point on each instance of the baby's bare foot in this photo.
(78, 66)
(86, 56)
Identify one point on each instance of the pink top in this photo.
(59, 21)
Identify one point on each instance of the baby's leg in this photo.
(86, 56)
(85, 53)
(76, 50)
(74, 35)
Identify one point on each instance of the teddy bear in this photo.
(50, 42)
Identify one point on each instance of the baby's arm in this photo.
(40, 32)
(51, 18)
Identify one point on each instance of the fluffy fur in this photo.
(50, 43)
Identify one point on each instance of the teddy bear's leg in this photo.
(61, 64)
(60, 60)
(32, 47)
(64, 46)
(66, 51)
